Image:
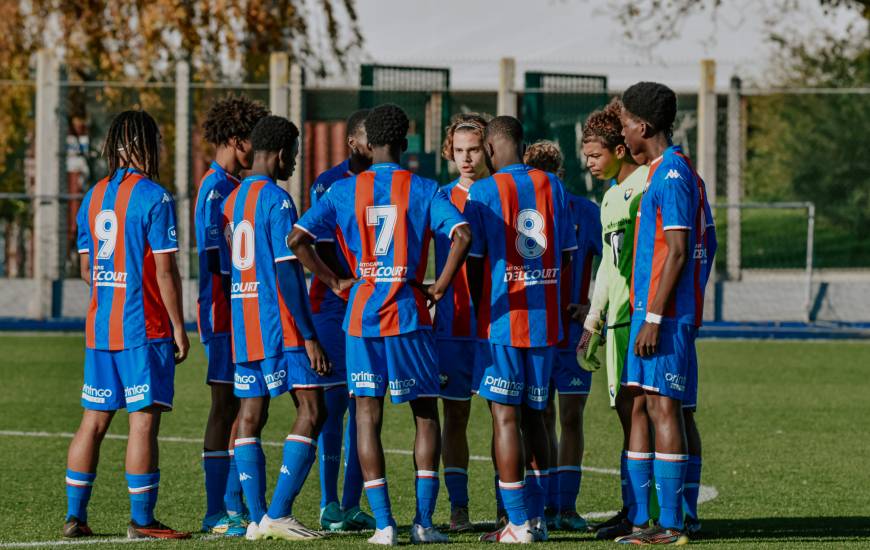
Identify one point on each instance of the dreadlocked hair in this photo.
(604, 126)
(463, 122)
(133, 139)
(232, 117)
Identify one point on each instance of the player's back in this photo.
(454, 315)
(259, 216)
(585, 218)
(522, 215)
(123, 221)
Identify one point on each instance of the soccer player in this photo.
(329, 310)
(520, 219)
(455, 322)
(274, 344)
(127, 245)
(569, 380)
(608, 159)
(667, 295)
(384, 218)
(227, 127)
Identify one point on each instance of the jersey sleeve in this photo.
(676, 198)
(282, 216)
(161, 226)
(443, 216)
(224, 248)
(473, 213)
(212, 215)
(565, 225)
(83, 236)
(593, 225)
(320, 219)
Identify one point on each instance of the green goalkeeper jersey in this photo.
(618, 217)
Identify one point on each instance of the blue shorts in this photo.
(456, 368)
(518, 376)
(568, 377)
(327, 325)
(482, 360)
(667, 372)
(134, 378)
(406, 363)
(266, 377)
(690, 400)
(219, 354)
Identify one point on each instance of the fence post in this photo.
(707, 126)
(48, 159)
(811, 226)
(507, 97)
(182, 164)
(735, 180)
(296, 117)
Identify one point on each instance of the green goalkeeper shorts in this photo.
(617, 351)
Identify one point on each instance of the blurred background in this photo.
(774, 106)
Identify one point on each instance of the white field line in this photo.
(706, 494)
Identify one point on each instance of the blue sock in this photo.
(143, 496)
(353, 479)
(569, 487)
(536, 492)
(499, 503)
(692, 486)
(379, 501)
(670, 473)
(233, 496)
(216, 465)
(78, 492)
(625, 486)
(427, 484)
(639, 469)
(251, 463)
(456, 480)
(329, 443)
(513, 497)
(299, 455)
(553, 491)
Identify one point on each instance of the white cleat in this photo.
(253, 532)
(286, 528)
(538, 527)
(511, 534)
(386, 536)
(427, 535)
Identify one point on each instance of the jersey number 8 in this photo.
(243, 245)
(531, 241)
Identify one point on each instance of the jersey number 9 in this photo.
(106, 228)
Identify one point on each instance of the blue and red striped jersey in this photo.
(576, 277)
(520, 220)
(123, 222)
(675, 199)
(212, 307)
(258, 217)
(323, 299)
(383, 220)
(454, 313)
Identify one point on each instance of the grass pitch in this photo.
(783, 426)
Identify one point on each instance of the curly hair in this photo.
(604, 126)
(544, 155)
(654, 103)
(232, 117)
(273, 133)
(387, 124)
(470, 122)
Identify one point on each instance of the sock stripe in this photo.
(511, 485)
(215, 454)
(231, 453)
(672, 457)
(632, 455)
(455, 471)
(426, 474)
(143, 489)
(375, 483)
(567, 469)
(78, 482)
(537, 473)
(301, 439)
(247, 441)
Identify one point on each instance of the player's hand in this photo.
(319, 361)
(592, 325)
(182, 344)
(433, 293)
(578, 312)
(647, 342)
(341, 285)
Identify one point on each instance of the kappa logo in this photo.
(673, 175)
(244, 477)
(575, 382)
(214, 195)
(166, 198)
(319, 189)
(285, 470)
(285, 204)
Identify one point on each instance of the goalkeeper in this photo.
(608, 159)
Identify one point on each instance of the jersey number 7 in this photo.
(386, 214)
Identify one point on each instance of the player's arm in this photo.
(461, 242)
(474, 264)
(85, 267)
(291, 283)
(326, 251)
(302, 245)
(169, 284)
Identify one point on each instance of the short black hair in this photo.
(507, 127)
(387, 124)
(654, 103)
(232, 117)
(356, 120)
(273, 133)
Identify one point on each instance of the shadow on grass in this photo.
(811, 528)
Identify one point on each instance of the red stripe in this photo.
(400, 190)
(348, 256)
(229, 209)
(94, 208)
(461, 293)
(364, 198)
(517, 303)
(156, 317)
(251, 306)
(292, 336)
(544, 202)
(119, 294)
(423, 316)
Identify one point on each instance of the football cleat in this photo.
(615, 530)
(615, 520)
(223, 524)
(426, 535)
(571, 521)
(286, 528)
(655, 535)
(510, 534)
(331, 517)
(459, 521)
(75, 528)
(386, 536)
(155, 530)
(252, 532)
(552, 517)
(357, 520)
(538, 527)
(692, 526)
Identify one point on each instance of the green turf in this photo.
(781, 423)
